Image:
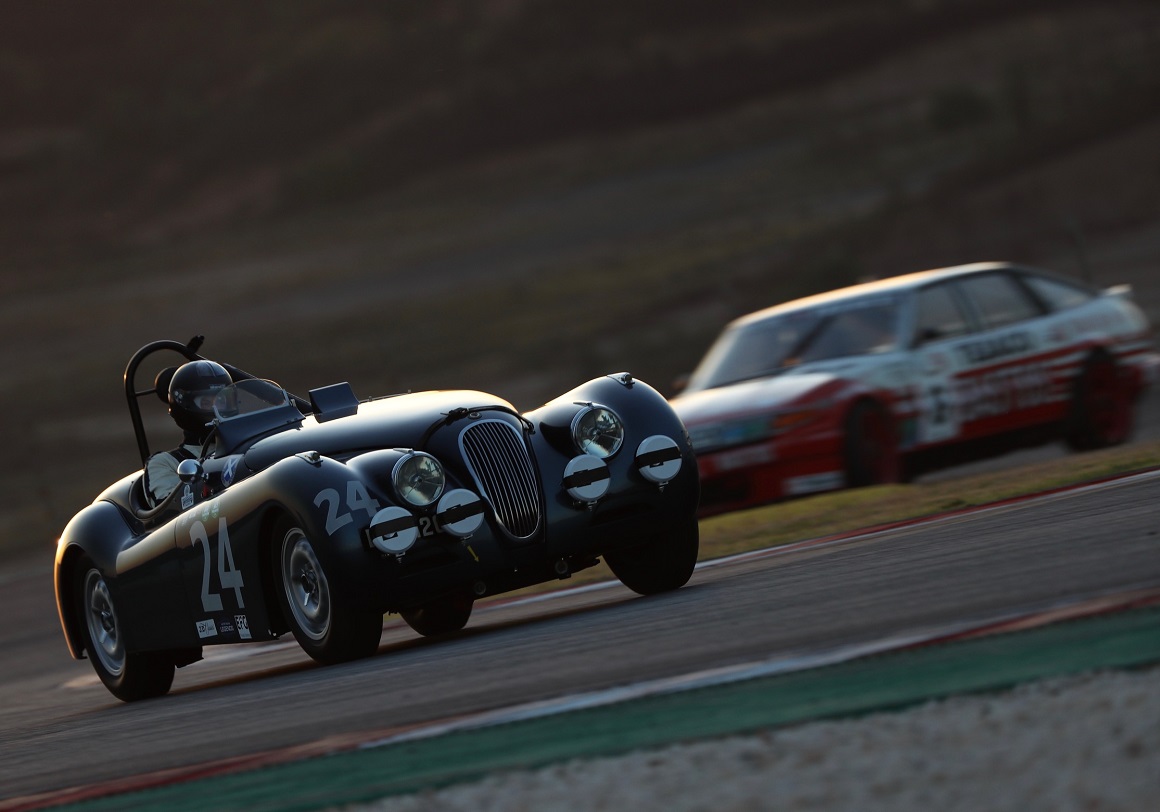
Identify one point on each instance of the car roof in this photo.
(891, 284)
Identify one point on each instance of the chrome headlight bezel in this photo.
(418, 479)
(598, 431)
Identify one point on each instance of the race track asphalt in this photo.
(61, 729)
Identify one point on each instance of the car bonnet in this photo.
(763, 394)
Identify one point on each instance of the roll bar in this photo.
(188, 351)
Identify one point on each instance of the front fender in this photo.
(644, 413)
(331, 502)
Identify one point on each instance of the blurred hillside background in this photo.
(517, 195)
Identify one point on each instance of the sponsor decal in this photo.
(226, 627)
(186, 497)
(243, 624)
(206, 628)
(744, 457)
(812, 483)
(1004, 390)
(992, 347)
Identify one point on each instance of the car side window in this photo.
(999, 299)
(939, 315)
(1058, 294)
(860, 330)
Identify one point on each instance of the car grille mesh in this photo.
(499, 461)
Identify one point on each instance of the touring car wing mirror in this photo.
(926, 335)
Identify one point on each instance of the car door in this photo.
(1002, 382)
(942, 320)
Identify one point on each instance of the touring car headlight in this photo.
(418, 479)
(598, 431)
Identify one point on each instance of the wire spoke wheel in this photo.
(101, 619)
(129, 675)
(306, 588)
(329, 624)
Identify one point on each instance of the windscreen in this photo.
(248, 397)
(770, 346)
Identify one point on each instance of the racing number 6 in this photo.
(229, 575)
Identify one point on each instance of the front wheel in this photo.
(661, 564)
(327, 627)
(440, 618)
(129, 676)
(871, 446)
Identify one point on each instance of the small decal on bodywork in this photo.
(206, 628)
(230, 471)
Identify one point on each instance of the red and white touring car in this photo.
(880, 381)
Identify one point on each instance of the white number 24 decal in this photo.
(229, 575)
(357, 498)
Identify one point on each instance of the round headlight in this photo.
(418, 479)
(597, 430)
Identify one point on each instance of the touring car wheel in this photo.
(1102, 411)
(871, 446)
(129, 676)
(324, 624)
(661, 564)
(441, 618)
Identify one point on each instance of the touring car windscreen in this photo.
(248, 397)
(771, 346)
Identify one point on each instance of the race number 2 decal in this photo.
(229, 576)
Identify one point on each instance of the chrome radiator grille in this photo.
(499, 462)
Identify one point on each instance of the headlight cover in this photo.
(418, 479)
(597, 430)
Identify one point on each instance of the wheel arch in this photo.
(855, 471)
(67, 605)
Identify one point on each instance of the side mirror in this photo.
(190, 471)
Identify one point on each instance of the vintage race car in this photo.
(317, 516)
(880, 381)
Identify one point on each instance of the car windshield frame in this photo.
(247, 397)
(263, 408)
(791, 338)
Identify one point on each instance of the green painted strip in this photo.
(880, 682)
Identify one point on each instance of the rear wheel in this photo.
(661, 564)
(871, 446)
(129, 676)
(440, 618)
(327, 627)
(1102, 412)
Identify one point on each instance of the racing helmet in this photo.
(192, 391)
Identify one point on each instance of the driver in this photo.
(192, 390)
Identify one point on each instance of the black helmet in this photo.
(192, 391)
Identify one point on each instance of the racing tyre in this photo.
(324, 624)
(1101, 407)
(661, 564)
(441, 618)
(129, 676)
(871, 446)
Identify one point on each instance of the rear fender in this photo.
(100, 533)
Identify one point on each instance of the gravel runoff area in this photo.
(1088, 742)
